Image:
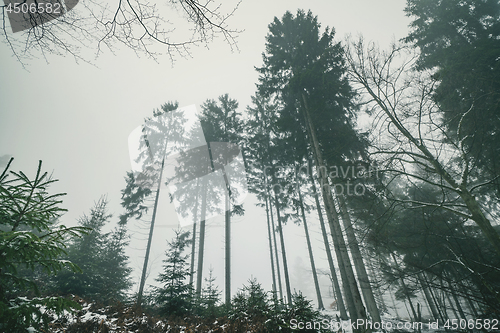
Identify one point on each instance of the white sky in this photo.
(77, 118)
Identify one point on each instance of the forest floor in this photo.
(124, 318)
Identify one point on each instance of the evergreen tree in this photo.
(221, 122)
(157, 135)
(30, 239)
(251, 303)
(302, 310)
(264, 156)
(304, 69)
(208, 302)
(175, 295)
(105, 275)
(442, 187)
(460, 42)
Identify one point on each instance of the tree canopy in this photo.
(460, 42)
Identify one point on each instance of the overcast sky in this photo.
(77, 117)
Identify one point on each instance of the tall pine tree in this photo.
(304, 69)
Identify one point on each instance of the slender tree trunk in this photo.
(457, 303)
(278, 271)
(394, 305)
(333, 273)
(409, 300)
(275, 296)
(472, 307)
(351, 307)
(467, 299)
(439, 306)
(442, 300)
(283, 252)
(373, 273)
(427, 307)
(228, 251)
(428, 297)
(150, 238)
(405, 289)
(419, 318)
(201, 248)
(408, 311)
(470, 304)
(193, 254)
(364, 281)
(309, 248)
(193, 241)
(358, 312)
(227, 198)
(452, 307)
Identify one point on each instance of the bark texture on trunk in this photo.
(333, 273)
(364, 280)
(349, 281)
(309, 249)
(269, 236)
(150, 238)
(283, 251)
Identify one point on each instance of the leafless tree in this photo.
(139, 25)
(410, 139)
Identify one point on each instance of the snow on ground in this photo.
(121, 318)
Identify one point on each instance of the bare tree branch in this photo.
(388, 81)
(136, 24)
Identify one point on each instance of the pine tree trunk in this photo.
(278, 271)
(470, 304)
(357, 311)
(428, 297)
(351, 307)
(228, 251)
(275, 296)
(408, 311)
(283, 251)
(201, 247)
(333, 273)
(455, 299)
(457, 302)
(405, 288)
(468, 300)
(364, 281)
(379, 293)
(309, 248)
(394, 305)
(452, 307)
(409, 300)
(439, 306)
(150, 238)
(193, 239)
(193, 250)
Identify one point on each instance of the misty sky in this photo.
(77, 117)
